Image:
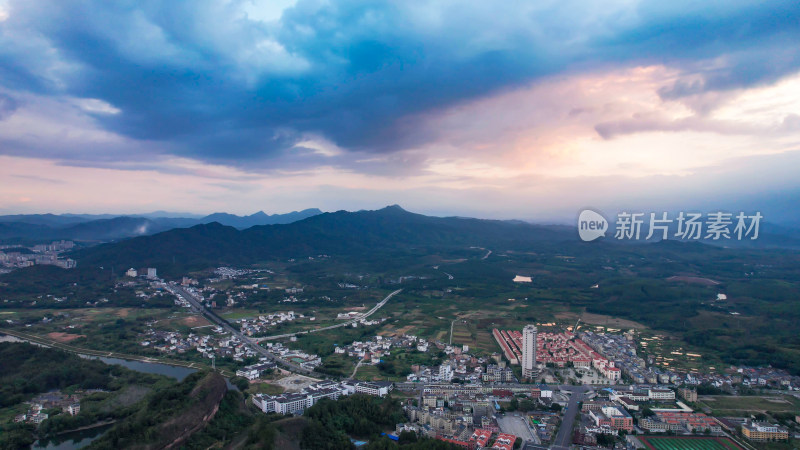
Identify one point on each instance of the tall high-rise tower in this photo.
(528, 351)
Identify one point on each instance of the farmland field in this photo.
(739, 405)
(688, 443)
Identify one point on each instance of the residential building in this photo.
(685, 421)
(296, 403)
(504, 442)
(761, 431)
(481, 437)
(254, 371)
(661, 394)
(74, 409)
(376, 388)
(614, 417)
(529, 351)
(690, 395)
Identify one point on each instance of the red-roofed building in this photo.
(694, 422)
(504, 442)
(470, 445)
(481, 437)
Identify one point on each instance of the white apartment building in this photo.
(529, 351)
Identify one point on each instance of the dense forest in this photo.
(28, 370)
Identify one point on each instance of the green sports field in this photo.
(689, 443)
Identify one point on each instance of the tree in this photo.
(605, 440)
(514, 404)
(518, 443)
(526, 405)
(647, 412)
(555, 407)
(407, 437)
(241, 383)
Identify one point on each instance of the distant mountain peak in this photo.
(259, 218)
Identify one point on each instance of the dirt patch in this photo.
(64, 337)
(195, 321)
(295, 382)
(404, 330)
(694, 280)
(356, 308)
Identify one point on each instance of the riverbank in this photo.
(36, 339)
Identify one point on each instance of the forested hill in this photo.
(338, 233)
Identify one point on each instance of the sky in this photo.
(513, 109)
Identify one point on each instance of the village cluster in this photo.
(259, 325)
(43, 405)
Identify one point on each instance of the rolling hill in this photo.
(338, 233)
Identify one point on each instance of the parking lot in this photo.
(515, 423)
(295, 382)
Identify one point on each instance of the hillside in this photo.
(338, 233)
(169, 417)
(104, 228)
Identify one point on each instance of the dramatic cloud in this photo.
(392, 100)
(218, 83)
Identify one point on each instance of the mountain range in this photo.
(337, 233)
(105, 227)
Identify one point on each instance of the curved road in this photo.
(253, 343)
(338, 325)
(198, 306)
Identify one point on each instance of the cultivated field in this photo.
(744, 405)
(688, 443)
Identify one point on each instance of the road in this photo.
(338, 325)
(353, 375)
(198, 306)
(563, 439)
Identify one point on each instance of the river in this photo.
(80, 439)
(72, 440)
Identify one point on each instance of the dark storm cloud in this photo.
(213, 83)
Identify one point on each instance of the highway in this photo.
(198, 306)
(338, 325)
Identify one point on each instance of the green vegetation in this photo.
(35, 286)
(743, 406)
(397, 365)
(331, 423)
(383, 250)
(690, 443)
(171, 415)
(28, 370)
